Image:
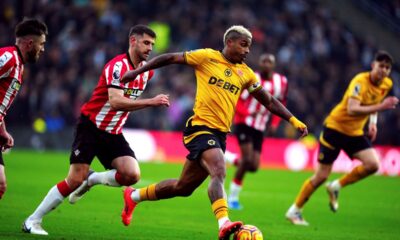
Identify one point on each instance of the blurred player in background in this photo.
(98, 132)
(251, 119)
(30, 37)
(343, 130)
(221, 76)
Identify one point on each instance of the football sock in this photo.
(109, 178)
(220, 209)
(64, 188)
(294, 209)
(234, 190)
(231, 158)
(221, 221)
(305, 192)
(355, 175)
(145, 194)
(53, 198)
(336, 185)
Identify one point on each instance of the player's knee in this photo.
(371, 167)
(129, 178)
(219, 173)
(75, 182)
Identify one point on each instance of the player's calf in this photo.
(81, 190)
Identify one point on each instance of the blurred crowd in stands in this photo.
(314, 50)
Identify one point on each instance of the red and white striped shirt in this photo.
(98, 108)
(11, 71)
(252, 113)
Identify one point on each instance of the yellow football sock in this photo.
(220, 208)
(355, 175)
(305, 192)
(148, 193)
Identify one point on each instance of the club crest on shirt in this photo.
(228, 72)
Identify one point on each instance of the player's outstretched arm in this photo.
(276, 107)
(354, 106)
(157, 62)
(120, 103)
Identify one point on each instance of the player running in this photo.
(30, 37)
(221, 77)
(98, 132)
(251, 119)
(343, 130)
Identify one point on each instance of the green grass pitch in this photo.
(368, 210)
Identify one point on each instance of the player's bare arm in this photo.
(120, 103)
(354, 106)
(276, 107)
(157, 62)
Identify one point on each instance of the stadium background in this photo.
(316, 48)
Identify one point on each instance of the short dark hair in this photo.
(383, 56)
(140, 30)
(30, 27)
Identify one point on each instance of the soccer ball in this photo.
(248, 232)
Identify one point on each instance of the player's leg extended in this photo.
(76, 175)
(191, 177)
(245, 165)
(326, 156)
(212, 160)
(359, 148)
(294, 213)
(125, 173)
(370, 164)
(3, 182)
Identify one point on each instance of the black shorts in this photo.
(198, 139)
(331, 142)
(1, 159)
(246, 134)
(90, 142)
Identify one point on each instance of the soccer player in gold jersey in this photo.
(343, 130)
(221, 77)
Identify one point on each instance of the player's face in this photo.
(267, 63)
(239, 48)
(380, 70)
(35, 48)
(143, 46)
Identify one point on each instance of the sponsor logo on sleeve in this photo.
(116, 75)
(357, 90)
(5, 58)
